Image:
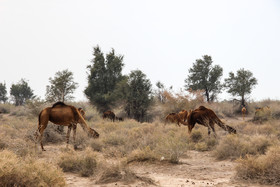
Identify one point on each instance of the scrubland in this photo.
(114, 157)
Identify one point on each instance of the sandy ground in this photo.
(195, 169)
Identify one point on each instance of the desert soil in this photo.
(195, 169)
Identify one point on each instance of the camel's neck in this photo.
(83, 123)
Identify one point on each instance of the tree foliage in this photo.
(240, 84)
(138, 95)
(21, 92)
(3, 93)
(204, 76)
(61, 87)
(103, 77)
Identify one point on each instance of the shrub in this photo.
(196, 136)
(142, 155)
(84, 164)
(52, 134)
(109, 173)
(171, 148)
(235, 146)
(264, 169)
(15, 171)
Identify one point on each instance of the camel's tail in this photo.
(227, 128)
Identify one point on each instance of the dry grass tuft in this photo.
(83, 163)
(264, 169)
(110, 173)
(236, 146)
(142, 155)
(15, 171)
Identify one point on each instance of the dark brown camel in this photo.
(174, 118)
(66, 115)
(110, 115)
(206, 117)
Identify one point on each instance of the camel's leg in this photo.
(68, 134)
(41, 129)
(209, 131)
(213, 129)
(178, 123)
(74, 135)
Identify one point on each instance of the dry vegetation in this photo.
(255, 148)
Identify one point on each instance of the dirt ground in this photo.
(195, 169)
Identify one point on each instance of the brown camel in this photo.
(110, 115)
(174, 118)
(183, 114)
(207, 118)
(66, 115)
(243, 110)
(262, 113)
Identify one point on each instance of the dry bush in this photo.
(13, 137)
(20, 111)
(142, 141)
(6, 108)
(172, 147)
(196, 136)
(235, 146)
(111, 173)
(142, 155)
(15, 171)
(53, 135)
(83, 163)
(263, 169)
(199, 140)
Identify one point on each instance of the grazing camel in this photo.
(110, 115)
(207, 118)
(183, 114)
(174, 118)
(66, 115)
(243, 110)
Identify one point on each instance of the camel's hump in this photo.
(58, 104)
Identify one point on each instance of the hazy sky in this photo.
(162, 38)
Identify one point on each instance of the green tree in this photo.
(139, 95)
(21, 92)
(204, 76)
(61, 87)
(103, 78)
(3, 93)
(240, 84)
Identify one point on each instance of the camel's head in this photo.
(93, 133)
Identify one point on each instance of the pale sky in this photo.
(162, 38)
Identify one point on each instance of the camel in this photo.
(110, 115)
(183, 114)
(262, 113)
(243, 110)
(66, 115)
(174, 118)
(207, 118)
